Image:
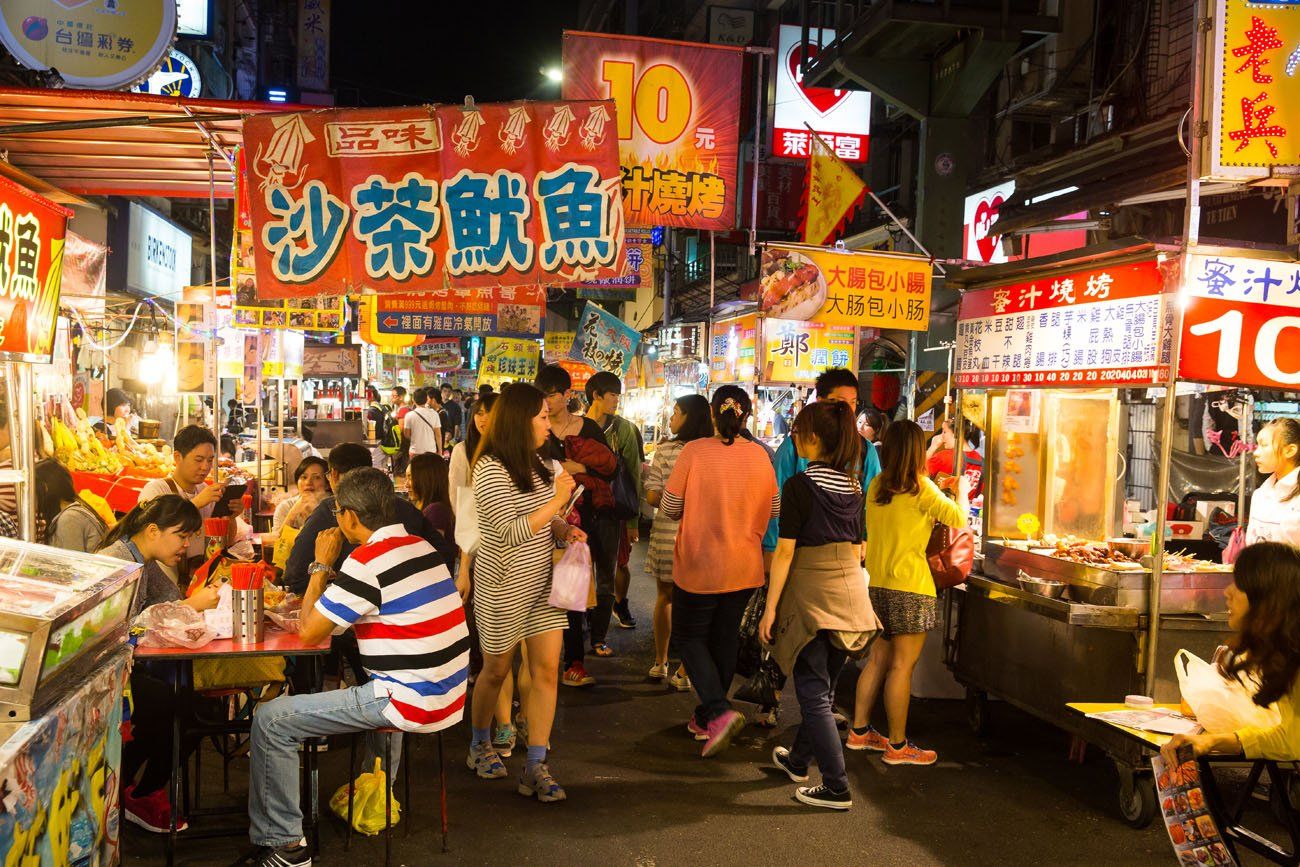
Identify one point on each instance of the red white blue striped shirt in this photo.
(397, 595)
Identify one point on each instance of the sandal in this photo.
(602, 650)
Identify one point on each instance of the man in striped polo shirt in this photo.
(396, 593)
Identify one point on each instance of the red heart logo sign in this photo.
(985, 216)
(821, 98)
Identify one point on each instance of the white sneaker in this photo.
(680, 682)
(658, 672)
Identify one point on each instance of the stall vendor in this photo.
(118, 405)
(1275, 506)
(1264, 652)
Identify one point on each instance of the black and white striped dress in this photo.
(512, 569)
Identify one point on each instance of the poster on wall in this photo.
(354, 201)
(677, 121)
(638, 272)
(842, 118)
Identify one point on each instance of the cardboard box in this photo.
(1187, 529)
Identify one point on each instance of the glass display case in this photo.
(60, 611)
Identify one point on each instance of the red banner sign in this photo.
(677, 121)
(502, 311)
(1241, 322)
(31, 267)
(416, 199)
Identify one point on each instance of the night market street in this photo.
(639, 794)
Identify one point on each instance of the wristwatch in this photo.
(317, 567)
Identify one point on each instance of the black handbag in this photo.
(763, 687)
(749, 653)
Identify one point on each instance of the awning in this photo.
(98, 143)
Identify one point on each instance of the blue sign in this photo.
(177, 76)
(604, 341)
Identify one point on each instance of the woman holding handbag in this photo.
(818, 613)
(903, 506)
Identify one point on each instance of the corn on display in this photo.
(81, 449)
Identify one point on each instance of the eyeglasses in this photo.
(338, 510)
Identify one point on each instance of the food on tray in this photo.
(1091, 554)
(793, 287)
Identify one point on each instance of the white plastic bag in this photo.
(171, 624)
(571, 578)
(467, 536)
(1221, 704)
(221, 619)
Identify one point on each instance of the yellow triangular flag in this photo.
(833, 191)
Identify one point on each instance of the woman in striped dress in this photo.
(521, 503)
(690, 421)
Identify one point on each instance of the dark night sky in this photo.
(403, 52)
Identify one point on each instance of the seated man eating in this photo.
(397, 594)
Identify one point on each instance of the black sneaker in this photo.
(781, 758)
(271, 856)
(820, 796)
(623, 615)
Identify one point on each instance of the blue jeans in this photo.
(275, 815)
(815, 671)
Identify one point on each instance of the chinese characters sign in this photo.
(639, 271)
(802, 351)
(506, 359)
(841, 117)
(558, 344)
(677, 122)
(314, 44)
(1105, 327)
(96, 44)
(418, 199)
(876, 290)
(1255, 117)
(502, 311)
(1241, 323)
(732, 356)
(441, 354)
(604, 342)
(31, 267)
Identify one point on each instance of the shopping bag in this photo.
(467, 535)
(571, 578)
(1236, 542)
(764, 686)
(1221, 704)
(284, 546)
(367, 801)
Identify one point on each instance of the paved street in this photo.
(640, 795)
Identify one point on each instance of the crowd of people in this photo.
(450, 586)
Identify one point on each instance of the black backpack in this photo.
(627, 504)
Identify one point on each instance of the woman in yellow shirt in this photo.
(903, 506)
(1264, 615)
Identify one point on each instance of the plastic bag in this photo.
(367, 801)
(1236, 542)
(467, 534)
(1221, 704)
(287, 613)
(172, 624)
(571, 578)
(749, 652)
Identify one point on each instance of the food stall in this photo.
(1062, 606)
(666, 368)
(63, 665)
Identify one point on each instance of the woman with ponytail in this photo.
(817, 612)
(723, 491)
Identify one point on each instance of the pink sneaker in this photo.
(910, 754)
(152, 812)
(694, 730)
(721, 731)
(872, 740)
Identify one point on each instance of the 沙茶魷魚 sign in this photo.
(604, 341)
(872, 290)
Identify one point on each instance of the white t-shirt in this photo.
(1272, 517)
(424, 428)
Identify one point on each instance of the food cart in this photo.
(63, 665)
(1061, 608)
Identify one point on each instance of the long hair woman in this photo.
(723, 491)
(431, 492)
(1275, 506)
(903, 505)
(1263, 653)
(155, 534)
(521, 504)
(690, 421)
(817, 612)
(69, 523)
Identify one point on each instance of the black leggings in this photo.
(153, 706)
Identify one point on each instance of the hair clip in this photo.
(731, 405)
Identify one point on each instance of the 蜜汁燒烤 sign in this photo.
(1108, 326)
(802, 351)
(869, 290)
(32, 230)
(604, 341)
(1241, 322)
(515, 311)
(677, 122)
(351, 201)
(507, 359)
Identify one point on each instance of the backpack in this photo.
(388, 430)
(627, 504)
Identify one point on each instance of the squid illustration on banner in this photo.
(426, 198)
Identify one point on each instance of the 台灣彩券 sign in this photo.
(1255, 111)
(604, 342)
(802, 351)
(639, 271)
(507, 359)
(874, 290)
(31, 268)
(732, 355)
(677, 122)
(504, 310)
(1108, 326)
(418, 199)
(1241, 322)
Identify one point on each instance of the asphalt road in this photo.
(639, 794)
